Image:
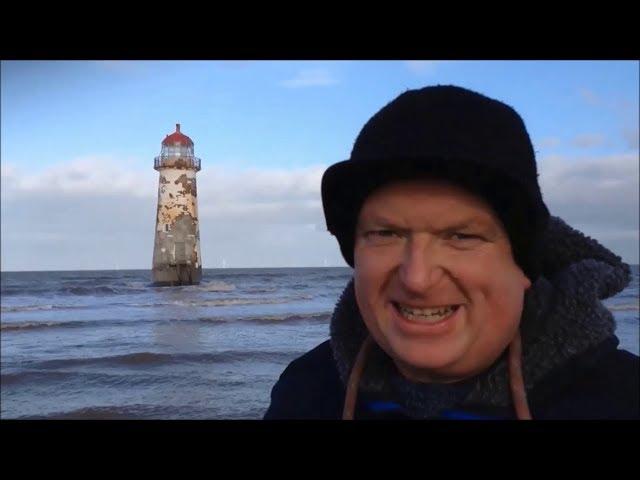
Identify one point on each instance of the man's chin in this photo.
(421, 366)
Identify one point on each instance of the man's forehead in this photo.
(435, 200)
(422, 185)
(449, 220)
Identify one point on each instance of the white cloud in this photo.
(261, 196)
(119, 66)
(632, 137)
(590, 180)
(233, 64)
(93, 214)
(97, 213)
(590, 97)
(548, 143)
(421, 67)
(588, 140)
(312, 77)
(599, 195)
(94, 175)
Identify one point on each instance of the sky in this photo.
(78, 139)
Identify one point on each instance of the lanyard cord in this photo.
(516, 382)
(354, 379)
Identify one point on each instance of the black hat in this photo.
(451, 133)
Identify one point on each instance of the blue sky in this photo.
(78, 140)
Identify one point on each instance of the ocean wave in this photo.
(223, 302)
(34, 308)
(216, 287)
(108, 278)
(75, 290)
(154, 358)
(262, 290)
(257, 273)
(268, 319)
(26, 308)
(137, 285)
(320, 317)
(93, 324)
(14, 378)
(132, 412)
(111, 412)
(15, 326)
(26, 291)
(624, 307)
(97, 290)
(345, 276)
(89, 378)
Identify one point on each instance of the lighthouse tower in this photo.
(176, 252)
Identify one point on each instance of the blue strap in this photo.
(381, 406)
(463, 415)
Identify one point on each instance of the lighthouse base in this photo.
(174, 275)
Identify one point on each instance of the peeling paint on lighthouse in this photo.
(176, 252)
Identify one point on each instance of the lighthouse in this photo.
(176, 251)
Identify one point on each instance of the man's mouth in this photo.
(426, 315)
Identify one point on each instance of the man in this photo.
(468, 299)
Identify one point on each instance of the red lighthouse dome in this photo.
(177, 138)
(177, 152)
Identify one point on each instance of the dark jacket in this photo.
(571, 365)
(310, 388)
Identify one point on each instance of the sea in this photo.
(109, 345)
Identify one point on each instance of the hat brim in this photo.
(346, 184)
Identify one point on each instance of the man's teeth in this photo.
(427, 314)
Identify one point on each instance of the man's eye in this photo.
(463, 236)
(381, 237)
(465, 239)
(382, 233)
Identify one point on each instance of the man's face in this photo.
(435, 279)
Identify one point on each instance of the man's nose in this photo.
(420, 267)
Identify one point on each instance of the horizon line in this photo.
(149, 269)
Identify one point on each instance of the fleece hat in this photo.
(448, 133)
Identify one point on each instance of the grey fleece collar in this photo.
(563, 316)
